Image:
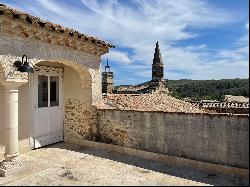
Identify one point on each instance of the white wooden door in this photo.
(48, 106)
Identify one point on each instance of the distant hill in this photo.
(206, 89)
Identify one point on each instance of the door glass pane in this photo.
(54, 91)
(42, 91)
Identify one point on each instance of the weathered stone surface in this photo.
(214, 138)
(157, 66)
(83, 64)
(107, 80)
(77, 119)
(23, 25)
(79, 113)
(113, 132)
(8, 168)
(239, 99)
(39, 52)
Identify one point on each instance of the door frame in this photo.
(32, 93)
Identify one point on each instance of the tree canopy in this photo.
(208, 89)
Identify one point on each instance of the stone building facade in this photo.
(57, 102)
(107, 80)
(54, 103)
(157, 83)
(157, 66)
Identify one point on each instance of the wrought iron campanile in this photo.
(107, 80)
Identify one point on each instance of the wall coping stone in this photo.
(185, 113)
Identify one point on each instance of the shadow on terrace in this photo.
(147, 165)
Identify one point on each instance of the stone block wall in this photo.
(78, 109)
(214, 138)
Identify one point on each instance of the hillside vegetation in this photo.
(202, 89)
(208, 89)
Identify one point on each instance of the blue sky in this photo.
(199, 39)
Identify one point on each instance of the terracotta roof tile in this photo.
(147, 102)
(49, 25)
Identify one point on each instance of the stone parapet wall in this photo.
(214, 138)
(227, 110)
(223, 107)
(221, 104)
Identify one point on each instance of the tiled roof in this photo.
(4, 10)
(147, 102)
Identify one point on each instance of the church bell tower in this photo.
(107, 80)
(157, 66)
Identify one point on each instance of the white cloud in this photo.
(118, 56)
(138, 24)
(240, 53)
(53, 7)
(196, 48)
(244, 41)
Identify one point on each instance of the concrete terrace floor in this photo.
(66, 164)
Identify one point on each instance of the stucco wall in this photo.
(214, 138)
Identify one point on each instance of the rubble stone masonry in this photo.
(214, 138)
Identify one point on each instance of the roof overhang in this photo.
(23, 25)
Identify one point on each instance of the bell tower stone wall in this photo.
(107, 80)
(157, 66)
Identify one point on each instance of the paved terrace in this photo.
(66, 164)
